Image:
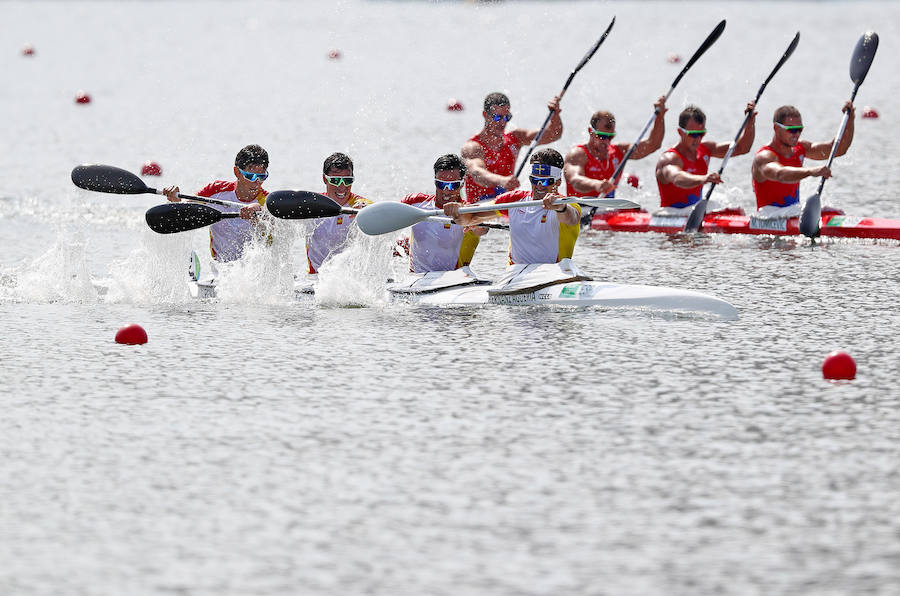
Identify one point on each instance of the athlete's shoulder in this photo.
(512, 196)
(416, 198)
(356, 199)
(214, 188)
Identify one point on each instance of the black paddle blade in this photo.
(863, 56)
(171, 218)
(809, 219)
(108, 179)
(695, 220)
(300, 204)
(707, 43)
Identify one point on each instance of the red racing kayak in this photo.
(735, 221)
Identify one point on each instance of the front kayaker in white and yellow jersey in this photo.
(227, 237)
(435, 245)
(330, 234)
(682, 170)
(778, 167)
(543, 233)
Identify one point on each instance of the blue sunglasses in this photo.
(541, 181)
(503, 117)
(253, 176)
(447, 185)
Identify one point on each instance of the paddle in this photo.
(695, 220)
(859, 68)
(390, 216)
(581, 64)
(707, 43)
(170, 218)
(115, 180)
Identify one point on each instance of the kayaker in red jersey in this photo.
(682, 170)
(330, 233)
(228, 236)
(539, 234)
(589, 166)
(435, 245)
(490, 156)
(778, 167)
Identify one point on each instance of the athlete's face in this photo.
(497, 117)
(338, 192)
(446, 194)
(246, 186)
(690, 135)
(789, 137)
(602, 136)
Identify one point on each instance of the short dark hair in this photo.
(602, 115)
(549, 157)
(450, 162)
(785, 112)
(495, 99)
(337, 161)
(691, 113)
(251, 155)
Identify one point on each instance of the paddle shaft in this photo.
(581, 64)
(208, 200)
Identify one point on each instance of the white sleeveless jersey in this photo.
(435, 245)
(228, 236)
(330, 235)
(535, 234)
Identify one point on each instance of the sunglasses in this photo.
(791, 129)
(253, 176)
(338, 180)
(694, 134)
(542, 181)
(447, 185)
(499, 117)
(601, 134)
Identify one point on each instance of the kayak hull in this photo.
(832, 225)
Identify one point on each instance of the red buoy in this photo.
(839, 366)
(673, 58)
(454, 105)
(869, 112)
(151, 168)
(633, 180)
(82, 97)
(131, 335)
(28, 50)
(334, 55)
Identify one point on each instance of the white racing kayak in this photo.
(553, 284)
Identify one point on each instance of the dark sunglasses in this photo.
(499, 117)
(338, 180)
(447, 185)
(694, 134)
(253, 176)
(541, 181)
(791, 129)
(601, 134)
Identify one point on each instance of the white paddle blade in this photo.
(389, 216)
(608, 204)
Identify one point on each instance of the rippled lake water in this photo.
(260, 445)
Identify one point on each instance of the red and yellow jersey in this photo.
(228, 236)
(435, 245)
(536, 234)
(780, 194)
(330, 234)
(674, 196)
(598, 170)
(501, 162)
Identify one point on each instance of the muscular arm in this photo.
(473, 156)
(575, 175)
(657, 133)
(766, 167)
(823, 150)
(744, 143)
(553, 131)
(669, 170)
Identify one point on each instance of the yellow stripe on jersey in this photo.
(568, 235)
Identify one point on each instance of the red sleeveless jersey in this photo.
(673, 196)
(598, 170)
(780, 194)
(502, 162)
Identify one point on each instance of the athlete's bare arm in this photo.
(823, 150)
(473, 157)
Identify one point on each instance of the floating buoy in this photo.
(131, 335)
(151, 168)
(673, 58)
(869, 112)
(633, 180)
(454, 105)
(82, 97)
(839, 366)
(334, 55)
(28, 50)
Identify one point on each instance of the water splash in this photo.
(357, 275)
(59, 275)
(153, 273)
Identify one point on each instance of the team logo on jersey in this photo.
(447, 225)
(340, 220)
(544, 218)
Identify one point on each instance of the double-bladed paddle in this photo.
(860, 62)
(581, 64)
(390, 216)
(695, 220)
(111, 179)
(170, 218)
(707, 43)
